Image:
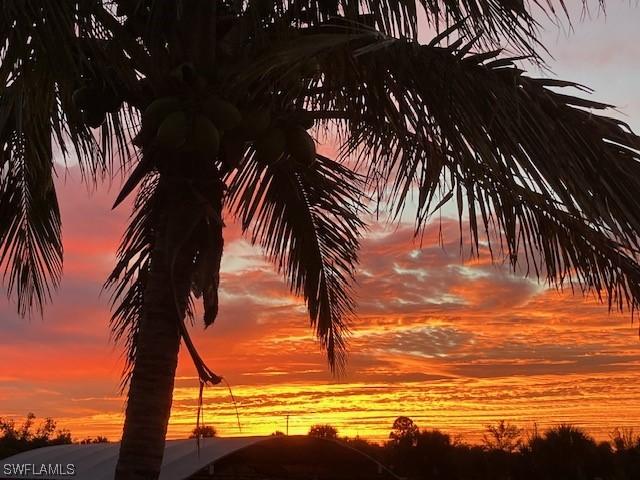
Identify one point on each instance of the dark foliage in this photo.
(323, 431)
(18, 438)
(563, 452)
(203, 431)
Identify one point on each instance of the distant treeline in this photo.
(31, 434)
(507, 452)
(563, 452)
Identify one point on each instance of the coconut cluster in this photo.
(212, 125)
(287, 137)
(189, 115)
(175, 124)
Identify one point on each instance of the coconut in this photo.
(173, 131)
(255, 122)
(110, 101)
(144, 137)
(233, 148)
(300, 145)
(93, 117)
(225, 115)
(302, 118)
(204, 138)
(83, 97)
(158, 110)
(271, 145)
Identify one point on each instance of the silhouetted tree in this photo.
(627, 453)
(434, 451)
(404, 431)
(15, 439)
(564, 452)
(203, 431)
(624, 438)
(502, 436)
(323, 431)
(91, 440)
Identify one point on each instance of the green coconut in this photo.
(173, 131)
(143, 137)
(255, 122)
(204, 138)
(84, 97)
(301, 145)
(110, 101)
(232, 148)
(158, 110)
(223, 114)
(93, 117)
(302, 118)
(271, 145)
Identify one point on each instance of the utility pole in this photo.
(287, 424)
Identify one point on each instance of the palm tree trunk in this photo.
(152, 380)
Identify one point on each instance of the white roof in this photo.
(98, 461)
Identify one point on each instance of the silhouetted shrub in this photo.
(14, 439)
(203, 431)
(323, 431)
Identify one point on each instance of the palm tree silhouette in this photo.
(207, 104)
(564, 452)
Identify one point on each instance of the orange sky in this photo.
(453, 345)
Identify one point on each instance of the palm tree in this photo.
(207, 105)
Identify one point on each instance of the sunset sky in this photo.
(453, 344)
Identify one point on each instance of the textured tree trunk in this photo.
(179, 223)
(151, 385)
(168, 282)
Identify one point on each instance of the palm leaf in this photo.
(307, 219)
(443, 119)
(127, 281)
(30, 244)
(490, 22)
(48, 50)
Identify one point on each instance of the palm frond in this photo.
(308, 221)
(127, 281)
(48, 50)
(30, 243)
(553, 178)
(489, 22)
(73, 43)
